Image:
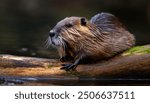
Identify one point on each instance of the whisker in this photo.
(47, 43)
(44, 43)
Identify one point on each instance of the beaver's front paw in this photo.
(68, 67)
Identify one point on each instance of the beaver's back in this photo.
(117, 38)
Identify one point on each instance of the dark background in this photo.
(24, 24)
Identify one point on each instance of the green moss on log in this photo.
(51, 65)
(73, 73)
(137, 50)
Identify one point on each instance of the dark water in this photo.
(72, 81)
(24, 24)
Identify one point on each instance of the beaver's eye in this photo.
(68, 25)
(83, 21)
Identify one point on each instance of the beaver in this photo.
(79, 40)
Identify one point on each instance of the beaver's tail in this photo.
(107, 22)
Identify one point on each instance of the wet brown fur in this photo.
(102, 37)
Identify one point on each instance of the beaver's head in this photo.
(68, 30)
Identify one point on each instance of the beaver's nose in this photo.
(51, 33)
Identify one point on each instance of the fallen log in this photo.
(133, 63)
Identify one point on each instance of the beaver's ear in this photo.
(83, 21)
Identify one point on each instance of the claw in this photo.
(64, 65)
(68, 67)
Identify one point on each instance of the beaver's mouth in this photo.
(52, 43)
(58, 42)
